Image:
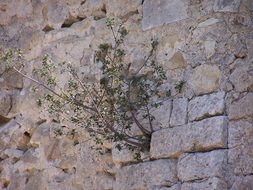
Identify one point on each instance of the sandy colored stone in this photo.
(226, 5)
(204, 135)
(202, 165)
(5, 102)
(206, 106)
(205, 79)
(140, 176)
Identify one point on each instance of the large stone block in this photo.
(227, 5)
(146, 175)
(159, 12)
(241, 78)
(204, 135)
(179, 112)
(209, 184)
(205, 79)
(202, 165)
(243, 183)
(205, 106)
(242, 108)
(240, 143)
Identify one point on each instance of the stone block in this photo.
(203, 135)
(179, 112)
(240, 143)
(160, 12)
(242, 108)
(241, 78)
(6, 103)
(243, 183)
(205, 79)
(206, 106)
(209, 184)
(226, 5)
(146, 175)
(198, 166)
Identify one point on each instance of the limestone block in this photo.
(38, 181)
(209, 184)
(5, 102)
(179, 112)
(13, 153)
(242, 108)
(207, 105)
(176, 61)
(241, 78)
(146, 175)
(243, 183)
(209, 47)
(160, 12)
(202, 165)
(115, 7)
(11, 80)
(205, 79)
(204, 135)
(226, 5)
(94, 8)
(240, 143)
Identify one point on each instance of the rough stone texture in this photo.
(240, 78)
(204, 135)
(157, 13)
(242, 108)
(226, 5)
(140, 176)
(207, 44)
(205, 79)
(202, 165)
(213, 183)
(5, 102)
(206, 106)
(179, 112)
(243, 183)
(240, 143)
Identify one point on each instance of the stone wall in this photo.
(204, 138)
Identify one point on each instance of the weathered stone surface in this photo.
(140, 176)
(6, 103)
(179, 112)
(226, 5)
(37, 181)
(40, 135)
(205, 79)
(209, 184)
(243, 183)
(242, 108)
(206, 106)
(204, 135)
(157, 13)
(240, 143)
(176, 61)
(209, 22)
(209, 47)
(241, 78)
(115, 7)
(124, 156)
(202, 165)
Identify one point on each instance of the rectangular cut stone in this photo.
(242, 108)
(240, 144)
(209, 184)
(159, 12)
(179, 112)
(205, 135)
(198, 166)
(207, 105)
(226, 5)
(146, 175)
